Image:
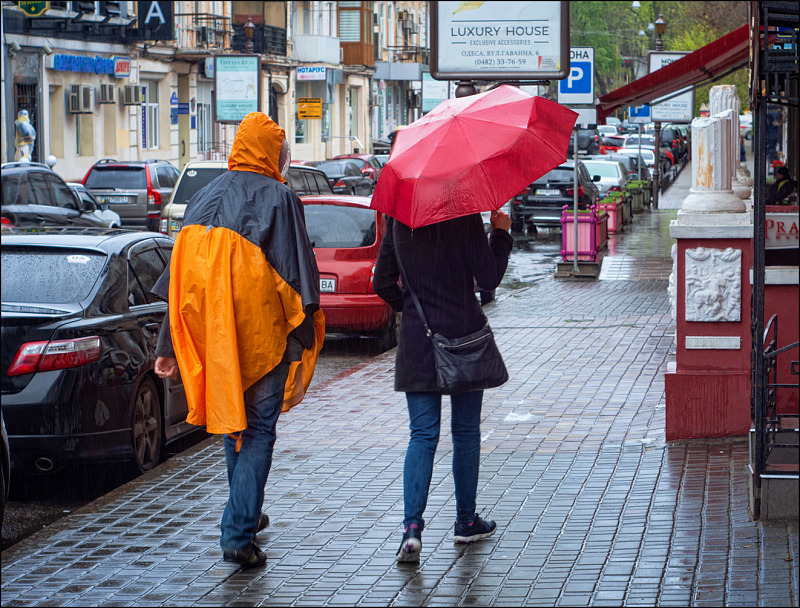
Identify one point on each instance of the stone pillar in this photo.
(708, 386)
(712, 168)
(722, 98)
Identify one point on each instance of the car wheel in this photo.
(146, 437)
(387, 337)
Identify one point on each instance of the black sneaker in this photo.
(411, 545)
(263, 522)
(249, 557)
(474, 531)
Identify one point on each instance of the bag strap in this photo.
(407, 285)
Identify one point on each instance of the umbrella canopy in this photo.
(472, 154)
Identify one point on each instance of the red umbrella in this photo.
(472, 154)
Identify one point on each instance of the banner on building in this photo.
(309, 107)
(237, 82)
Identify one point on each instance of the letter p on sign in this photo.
(578, 86)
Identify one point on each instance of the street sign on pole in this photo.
(639, 114)
(578, 86)
(677, 107)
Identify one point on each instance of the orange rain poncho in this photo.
(242, 278)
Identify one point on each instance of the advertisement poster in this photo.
(519, 40)
(237, 85)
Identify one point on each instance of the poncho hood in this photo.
(257, 146)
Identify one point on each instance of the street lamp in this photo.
(249, 28)
(661, 27)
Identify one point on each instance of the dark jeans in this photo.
(248, 469)
(425, 414)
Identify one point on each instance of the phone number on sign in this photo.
(500, 62)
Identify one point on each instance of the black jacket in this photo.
(443, 262)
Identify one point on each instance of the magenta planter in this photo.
(616, 215)
(592, 234)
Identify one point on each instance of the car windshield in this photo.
(602, 169)
(121, 178)
(633, 140)
(338, 226)
(62, 275)
(562, 174)
(331, 168)
(193, 180)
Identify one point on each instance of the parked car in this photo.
(612, 143)
(672, 141)
(746, 126)
(345, 177)
(78, 349)
(588, 142)
(199, 173)
(382, 159)
(631, 164)
(346, 235)
(35, 195)
(5, 465)
(368, 163)
(614, 177)
(648, 153)
(136, 190)
(607, 130)
(541, 202)
(110, 218)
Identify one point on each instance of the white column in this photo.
(722, 98)
(712, 169)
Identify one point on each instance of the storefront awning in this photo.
(724, 55)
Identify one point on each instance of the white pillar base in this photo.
(712, 201)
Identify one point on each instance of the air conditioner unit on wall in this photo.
(80, 99)
(108, 93)
(130, 95)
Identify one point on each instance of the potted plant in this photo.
(636, 190)
(592, 233)
(614, 206)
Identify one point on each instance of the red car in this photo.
(346, 235)
(368, 163)
(611, 144)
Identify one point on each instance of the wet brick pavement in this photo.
(593, 506)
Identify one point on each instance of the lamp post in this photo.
(661, 26)
(249, 28)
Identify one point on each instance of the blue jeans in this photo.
(248, 469)
(425, 415)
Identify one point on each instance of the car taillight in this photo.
(339, 184)
(371, 289)
(674, 144)
(58, 354)
(7, 222)
(153, 197)
(163, 226)
(571, 191)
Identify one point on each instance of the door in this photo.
(26, 98)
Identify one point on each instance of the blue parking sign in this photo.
(578, 86)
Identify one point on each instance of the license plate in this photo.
(175, 226)
(548, 192)
(327, 285)
(117, 199)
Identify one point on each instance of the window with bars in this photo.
(150, 134)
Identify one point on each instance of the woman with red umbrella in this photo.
(441, 263)
(466, 156)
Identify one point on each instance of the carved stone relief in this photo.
(713, 284)
(673, 277)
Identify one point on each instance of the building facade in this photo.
(135, 80)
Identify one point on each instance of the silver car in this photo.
(614, 176)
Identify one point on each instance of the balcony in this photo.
(358, 53)
(317, 49)
(267, 39)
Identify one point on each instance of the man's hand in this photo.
(167, 367)
(500, 220)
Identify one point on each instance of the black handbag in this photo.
(462, 364)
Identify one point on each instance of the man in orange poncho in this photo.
(244, 325)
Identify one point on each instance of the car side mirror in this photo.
(595, 178)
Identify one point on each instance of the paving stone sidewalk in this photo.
(593, 506)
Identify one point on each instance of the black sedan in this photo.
(541, 202)
(345, 177)
(79, 331)
(34, 195)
